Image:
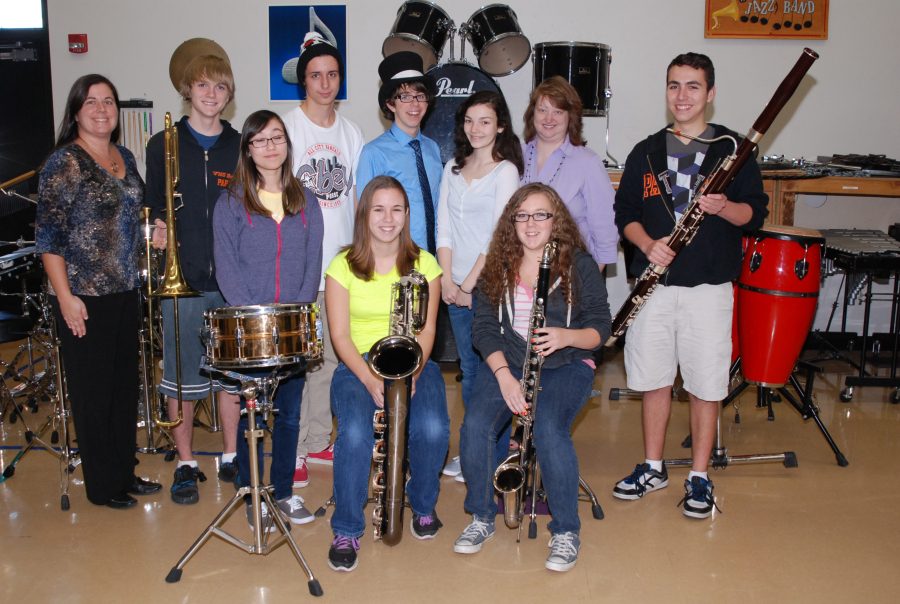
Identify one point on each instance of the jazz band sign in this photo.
(772, 19)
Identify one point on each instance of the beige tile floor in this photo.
(816, 533)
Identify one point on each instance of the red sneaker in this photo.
(301, 474)
(325, 457)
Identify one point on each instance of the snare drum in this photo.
(778, 291)
(423, 28)
(266, 335)
(16, 264)
(584, 65)
(455, 82)
(498, 41)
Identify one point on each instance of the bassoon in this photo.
(686, 228)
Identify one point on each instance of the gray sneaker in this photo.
(473, 537)
(564, 552)
(292, 509)
(265, 518)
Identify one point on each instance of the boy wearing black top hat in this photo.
(403, 151)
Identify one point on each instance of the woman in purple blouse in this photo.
(555, 155)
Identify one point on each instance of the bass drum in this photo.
(455, 82)
(584, 65)
(498, 41)
(420, 27)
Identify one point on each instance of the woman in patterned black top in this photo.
(89, 200)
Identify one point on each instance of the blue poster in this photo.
(287, 27)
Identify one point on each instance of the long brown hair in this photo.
(505, 253)
(247, 178)
(562, 96)
(359, 253)
(506, 145)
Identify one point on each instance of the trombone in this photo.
(173, 283)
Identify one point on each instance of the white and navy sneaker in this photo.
(643, 480)
(564, 552)
(698, 498)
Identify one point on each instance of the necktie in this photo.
(426, 195)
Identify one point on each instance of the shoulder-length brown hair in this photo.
(562, 96)
(506, 145)
(246, 175)
(359, 253)
(505, 253)
(68, 128)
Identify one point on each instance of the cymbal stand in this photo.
(259, 393)
(46, 331)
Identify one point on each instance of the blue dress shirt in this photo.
(391, 154)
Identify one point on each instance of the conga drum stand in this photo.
(259, 393)
(807, 409)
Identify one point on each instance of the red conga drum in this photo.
(776, 301)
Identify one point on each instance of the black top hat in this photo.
(401, 68)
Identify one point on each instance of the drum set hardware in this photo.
(259, 393)
(264, 344)
(48, 384)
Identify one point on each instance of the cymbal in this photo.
(187, 52)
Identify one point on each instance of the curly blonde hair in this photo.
(505, 253)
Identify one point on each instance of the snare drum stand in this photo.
(259, 393)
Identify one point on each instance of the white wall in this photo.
(846, 105)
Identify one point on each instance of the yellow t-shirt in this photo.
(370, 301)
(273, 203)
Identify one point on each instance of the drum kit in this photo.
(501, 49)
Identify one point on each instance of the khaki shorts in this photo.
(688, 327)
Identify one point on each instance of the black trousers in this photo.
(103, 382)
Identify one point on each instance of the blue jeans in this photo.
(284, 436)
(564, 392)
(429, 437)
(469, 361)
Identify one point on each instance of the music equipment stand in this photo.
(259, 393)
(43, 338)
(807, 409)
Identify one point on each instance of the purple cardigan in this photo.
(259, 261)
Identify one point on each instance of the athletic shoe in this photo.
(473, 537)
(292, 508)
(325, 457)
(460, 478)
(643, 480)
(265, 517)
(184, 489)
(301, 473)
(228, 471)
(342, 555)
(564, 552)
(453, 468)
(698, 498)
(425, 527)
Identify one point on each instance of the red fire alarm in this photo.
(78, 43)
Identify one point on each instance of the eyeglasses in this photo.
(408, 98)
(259, 143)
(538, 217)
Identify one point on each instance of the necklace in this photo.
(113, 165)
(532, 165)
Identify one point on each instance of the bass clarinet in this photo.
(686, 228)
(395, 358)
(515, 477)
